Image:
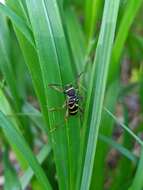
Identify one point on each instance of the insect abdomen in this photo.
(73, 106)
(73, 110)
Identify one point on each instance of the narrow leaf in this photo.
(102, 60)
(28, 174)
(125, 127)
(137, 183)
(18, 141)
(18, 22)
(125, 152)
(131, 10)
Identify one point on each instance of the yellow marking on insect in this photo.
(71, 88)
(74, 111)
(74, 105)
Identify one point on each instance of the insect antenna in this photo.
(54, 84)
(57, 87)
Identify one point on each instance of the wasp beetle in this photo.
(72, 98)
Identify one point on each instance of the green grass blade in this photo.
(32, 62)
(125, 127)
(73, 128)
(34, 115)
(103, 54)
(125, 152)
(5, 63)
(119, 177)
(28, 174)
(17, 140)
(11, 180)
(56, 68)
(132, 7)
(19, 7)
(76, 40)
(120, 40)
(45, 45)
(59, 39)
(31, 59)
(16, 58)
(137, 183)
(138, 178)
(18, 22)
(92, 14)
(7, 110)
(106, 129)
(7, 67)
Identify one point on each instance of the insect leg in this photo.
(66, 115)
(81, 110)
(65, 104)
(79, 78)
(56, 127)
(79, 85)
(58, 108)
(56, 87)
(55, 109)
(52, 130)
(81, 97)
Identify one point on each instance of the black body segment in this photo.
(72, 100)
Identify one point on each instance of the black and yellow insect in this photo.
(72, 97)
(72, 100)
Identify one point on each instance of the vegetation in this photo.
(96, 46)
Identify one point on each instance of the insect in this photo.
(72, 98)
